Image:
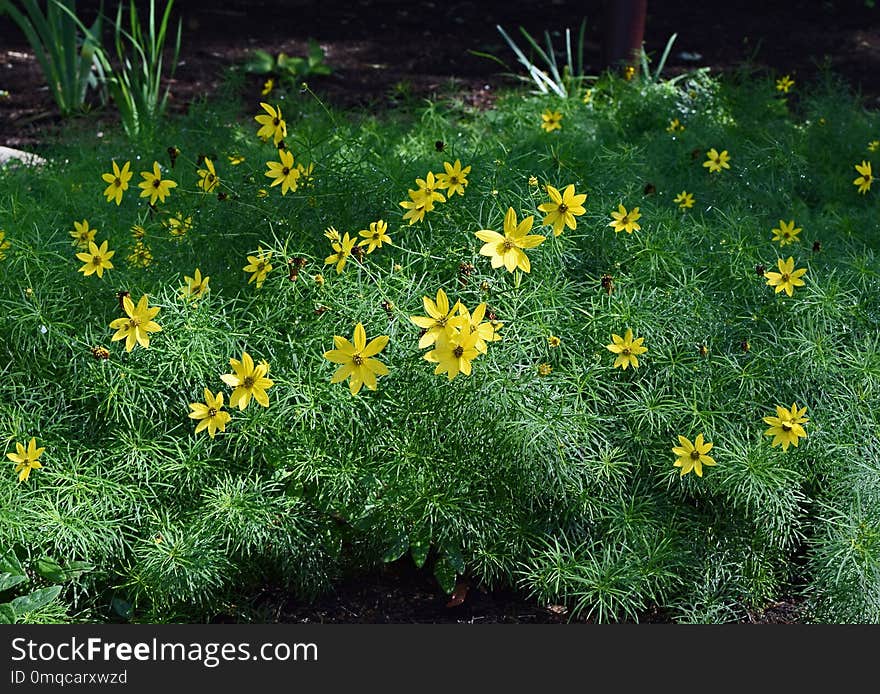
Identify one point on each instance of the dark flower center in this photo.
(156, 183)
(117, 182)
(458, 351)
(626, 351)
(248, 382)
(786, 426)
(212, 412)
(695, 454)
(357, 359)
(506, 245)
(286, 170)
(563, 208)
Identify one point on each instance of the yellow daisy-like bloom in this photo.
(375, 236)
(153, 186)
(625, 221)
(626, 349)
(544, 369)
(716, 162)
(259, 266)
(4, 244)
(784, 84)
(551, 120)
(787, 278)
(692, 456)
(553, 341)
(684, 200)
(674, 126)
(415, 207)
(428, 190)
(486, 331)
(284, 172)
(210, 414)
(235, 159)
(355, 359)
(268, 86)
(508, 250)
(208, 179)
(26, 459)
(82, 235)
(453, 353)
(786, 233)
(118, 181)
(454, 180)
(343, 249)
(248, 380)
(865, 178)
(135, 328)
(272, 124)
(178, 224)
(194, 287)
(787, 426)
(562, 208)
(96, 259)
(438, 320)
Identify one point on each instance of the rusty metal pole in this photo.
(624, 32)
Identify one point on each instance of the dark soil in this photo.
(380, 48)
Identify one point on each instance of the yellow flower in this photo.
(375, 236)
(284, 173)
(140, 255)
(455, 179)
(259, 266)
(507, 250)
(692, 456)
(272, 123)
(82, 234)
(137, 326)
(96, 259)
(438, 320)
(306, 173)
(343, 249)
(137, 231)
(248, 380)
(178, 225)
(787, 426)
(544, 369)
(153, 186)
(625, 221)
(356, 360)
(209, 413)
(208, 179)
(4, 244)
(551, 120)
(629, 72)
(268, 85)
(716, 162)
(787, 278)
(554, 341)
(626, 349)
(453, 353)
(562, 208)
(784, 84)
(684, 200)
(26, 459)
(416, 207)
(118, 181)
(235, 159)
(873, 145)
(485, 331)
(588, 96)
(786, 233)
(194, 287)
(865, 179)
(674, 126)
(533, 181)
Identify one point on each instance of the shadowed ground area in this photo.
(379, 48)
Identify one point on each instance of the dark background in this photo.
(375, 46)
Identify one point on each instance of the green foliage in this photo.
(292, 69)
(38, 605)
(66, 58)
(561, 484)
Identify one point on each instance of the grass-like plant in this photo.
(731, 463)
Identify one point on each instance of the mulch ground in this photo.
(379, 49)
